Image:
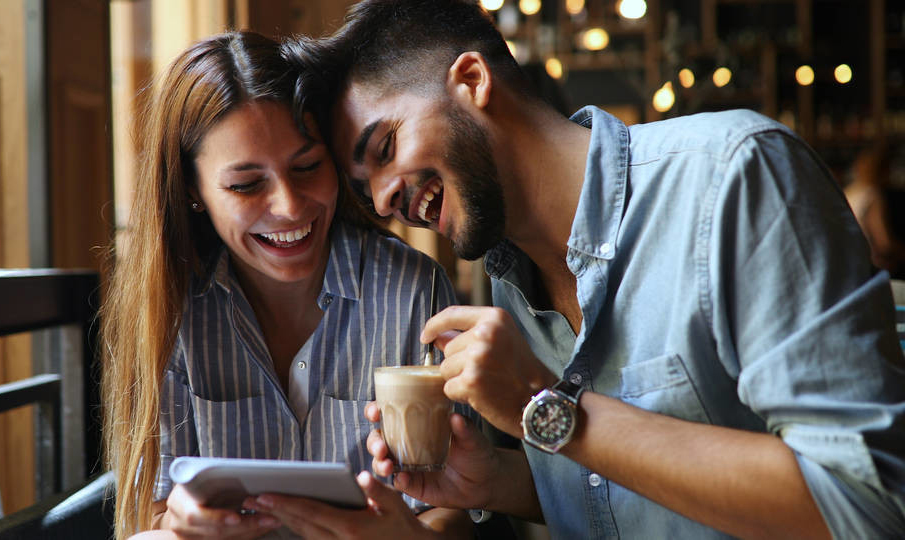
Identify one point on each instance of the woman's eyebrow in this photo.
(251, 165)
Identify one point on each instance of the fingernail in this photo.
(268, 522)
(264, 500)
(232, 519)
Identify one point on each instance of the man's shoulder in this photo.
(716, 133)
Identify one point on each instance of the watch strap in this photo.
(570, 390)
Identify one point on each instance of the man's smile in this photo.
(426, 204)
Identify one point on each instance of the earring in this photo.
(196, 206)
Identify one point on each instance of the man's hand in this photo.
(488, 364)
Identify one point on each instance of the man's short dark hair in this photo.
(394, 45)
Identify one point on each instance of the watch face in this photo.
(551, 421)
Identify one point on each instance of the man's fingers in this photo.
(459, 318)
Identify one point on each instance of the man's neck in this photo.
(545, 178)
(543, 181)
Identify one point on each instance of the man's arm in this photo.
(743, 483)
(747, 484)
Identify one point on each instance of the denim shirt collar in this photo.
(608, 158)
(603, 192)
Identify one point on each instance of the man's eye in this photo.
(246, 187)
(385, 150)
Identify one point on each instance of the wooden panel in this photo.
(17, 487)
(78, 116)
(278, 19)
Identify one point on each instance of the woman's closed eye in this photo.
(301, 168)
(246, 187)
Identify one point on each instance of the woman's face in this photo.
(270, 193)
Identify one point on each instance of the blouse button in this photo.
(302, 364)
(594, 479)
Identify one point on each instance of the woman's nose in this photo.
(286, 201)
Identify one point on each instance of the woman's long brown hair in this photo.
(168, 244)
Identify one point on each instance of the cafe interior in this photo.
(73, 73)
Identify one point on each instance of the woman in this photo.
(253, 301)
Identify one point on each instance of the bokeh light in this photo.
(804, 75)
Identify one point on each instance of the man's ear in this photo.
(469, 79)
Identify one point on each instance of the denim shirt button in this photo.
(302, 364)
(575, 378)
(594, 479)
(327, 300)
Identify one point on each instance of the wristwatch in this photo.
(550, 418)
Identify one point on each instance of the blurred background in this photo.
(72, 74)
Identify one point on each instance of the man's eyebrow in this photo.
(358, 153)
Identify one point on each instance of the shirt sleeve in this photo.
(809, 326)
(177, 428)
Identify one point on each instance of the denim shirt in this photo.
(722, 279)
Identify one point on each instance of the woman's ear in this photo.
(195, 199)
(469, 79)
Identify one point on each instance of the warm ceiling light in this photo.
(492, 5)
(804, 75)
(843, 73)
(686, 78)
(553, 67)
(529, 7)
(721, 77)
(595, 39)
(632, 9)
(574, 7)
(664, 98)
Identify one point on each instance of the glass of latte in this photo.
(414, 416)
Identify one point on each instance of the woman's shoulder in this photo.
(387, 249)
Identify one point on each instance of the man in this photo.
(697, 286)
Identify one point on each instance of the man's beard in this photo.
(468, 157)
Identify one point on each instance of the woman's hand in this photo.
(386, 516)
(466, 482)
(188, 519)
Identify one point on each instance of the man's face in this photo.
(426, 166)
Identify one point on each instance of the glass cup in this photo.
(414, 416)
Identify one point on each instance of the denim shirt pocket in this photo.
(223, 427)
(662, 385)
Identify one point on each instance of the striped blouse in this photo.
(221, 397)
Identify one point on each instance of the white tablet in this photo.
(225, 482)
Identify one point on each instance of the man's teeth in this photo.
(429, 195)
(288, 236)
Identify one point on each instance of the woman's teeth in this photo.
(429, 196)
(287, 236)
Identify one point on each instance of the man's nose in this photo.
(387, 194)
